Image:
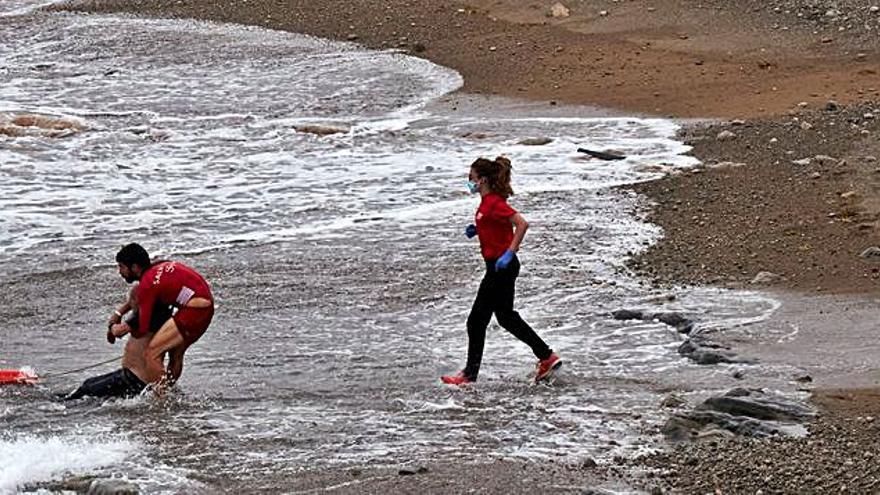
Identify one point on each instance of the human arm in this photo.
(520, 227)
(147, 294)
(116, 317)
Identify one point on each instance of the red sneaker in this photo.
(457, 379)
(546, 367)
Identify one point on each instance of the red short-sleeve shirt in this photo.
(493, 225)
(167, 282)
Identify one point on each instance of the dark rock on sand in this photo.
(757, 404)
(692, 425)
(701, 350)
(744, 412)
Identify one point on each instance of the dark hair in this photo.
(133, 254)
(497, 174)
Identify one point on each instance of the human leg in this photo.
(167, 338)
(175, 337)
(175, 363)
(477, 321)
(508, 318)
(120, 383)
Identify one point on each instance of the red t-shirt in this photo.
(493, 226)
(167, 282)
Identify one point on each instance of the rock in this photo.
(848, 194)
(559, 10)
(681, 324)
(603, 13)
(47, 122)
(319, 130)
(740, 411)
(832, 106)
(671, 319)
(627, 314)
(20, 125)
(872, 253)
(701, 350)
(874, 9)
(803, 162)
(824, 160)
(112, 487)
(607, 155)
(673, 400)
(410, 472)
(806, 126)
(688, 425)
(12, 131)
(804, 379)
(541, 141)
(725, 136)
(476, 135)
(763, 278)
(758, 405)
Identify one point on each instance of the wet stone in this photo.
(744, 412)
(412, 471)
(112, 487)
(539, 141)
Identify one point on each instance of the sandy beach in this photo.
(780, 103)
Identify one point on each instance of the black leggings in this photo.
(496, 296)
(120, 383)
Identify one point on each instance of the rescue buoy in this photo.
(17, 377)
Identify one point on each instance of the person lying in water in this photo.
(131, 379)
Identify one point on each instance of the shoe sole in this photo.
(549, 373)
(453, 383)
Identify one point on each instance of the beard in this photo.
(131, 279)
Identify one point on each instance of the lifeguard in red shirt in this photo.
(165, 283)
(501, 230)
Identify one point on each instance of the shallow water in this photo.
(342, 277)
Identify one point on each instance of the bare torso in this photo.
(133, 357)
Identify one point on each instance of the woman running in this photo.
(501, 230)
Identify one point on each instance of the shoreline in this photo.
(724, 224)
(626, 59)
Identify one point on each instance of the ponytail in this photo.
(496, 173)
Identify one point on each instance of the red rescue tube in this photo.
(17, 377)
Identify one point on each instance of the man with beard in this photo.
(163, 284)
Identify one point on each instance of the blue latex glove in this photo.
(470, 231)
(504, 260)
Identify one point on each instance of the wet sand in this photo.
(666, 57)
(753, 60)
